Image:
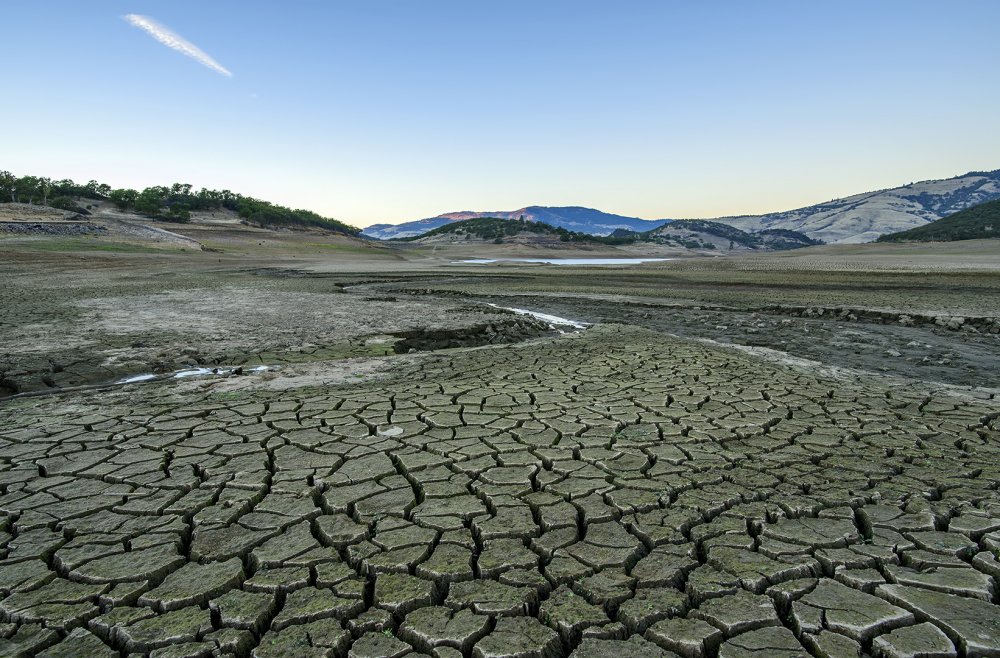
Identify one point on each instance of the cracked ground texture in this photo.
(614, 492)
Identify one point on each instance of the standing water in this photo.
(562, 261)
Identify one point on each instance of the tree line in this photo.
(174, 203)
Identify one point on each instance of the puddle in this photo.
(562, 261)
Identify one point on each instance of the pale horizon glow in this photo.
(390, 112)
(175, 41)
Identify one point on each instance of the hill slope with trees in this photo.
(977, 222)
(703, 234)
(572, 218)
(499, 230)
(172, 204)
(849, 220)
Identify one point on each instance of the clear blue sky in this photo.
(374, 111)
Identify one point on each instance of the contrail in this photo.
(175, 41)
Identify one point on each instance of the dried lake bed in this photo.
(422, 473)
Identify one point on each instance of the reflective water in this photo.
(563, 261)
(191, 372)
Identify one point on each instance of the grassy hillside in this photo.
(977, 222)
(498, 230)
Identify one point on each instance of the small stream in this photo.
(194, 372)
(561, 261)
(554, 320)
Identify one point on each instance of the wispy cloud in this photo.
(175, 41)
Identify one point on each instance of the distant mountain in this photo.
(571, 218)
(977, 222)
(704, 234)
(864, 217)
(509, 231)
(855, 219)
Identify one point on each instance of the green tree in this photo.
(123, 198)
(92, 190)
(179, 212)
(150, 200)
(27, 188)
(44, 188)
(8, 185)
(65, 187)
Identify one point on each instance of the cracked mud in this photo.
(615, 492)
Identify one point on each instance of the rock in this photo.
(400, 593)
(826, 644)
(756, 572)
(194, 584)
(607, 588)
(372, 620)
(634, 647)
(438, 626)
(920, 641)
(378, 645)
(972, 624)
(738, 613)
(816, 533)
(488, 597)
(963, 581)
(690, 638)
(518, 637)
(570, 614)
(774, 642)
(945, 543)
(665, 566)
(244, 610)
(79, 642)
(311, 604)
(650, 605)
(845, 610)
(865, 580)
(448, 563)
(318, 639)
(153, 632)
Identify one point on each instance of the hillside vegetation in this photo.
(572, 218)
(174, 203)
(977, 222)
(850, 220)
(704, 234)
(499, 230)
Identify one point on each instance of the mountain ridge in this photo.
(572, 218)
(861, 217)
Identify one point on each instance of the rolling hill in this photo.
(571, 218)
(703, 234)
(977, 222)
(855, 219)
(864, 217)
(517, 231)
